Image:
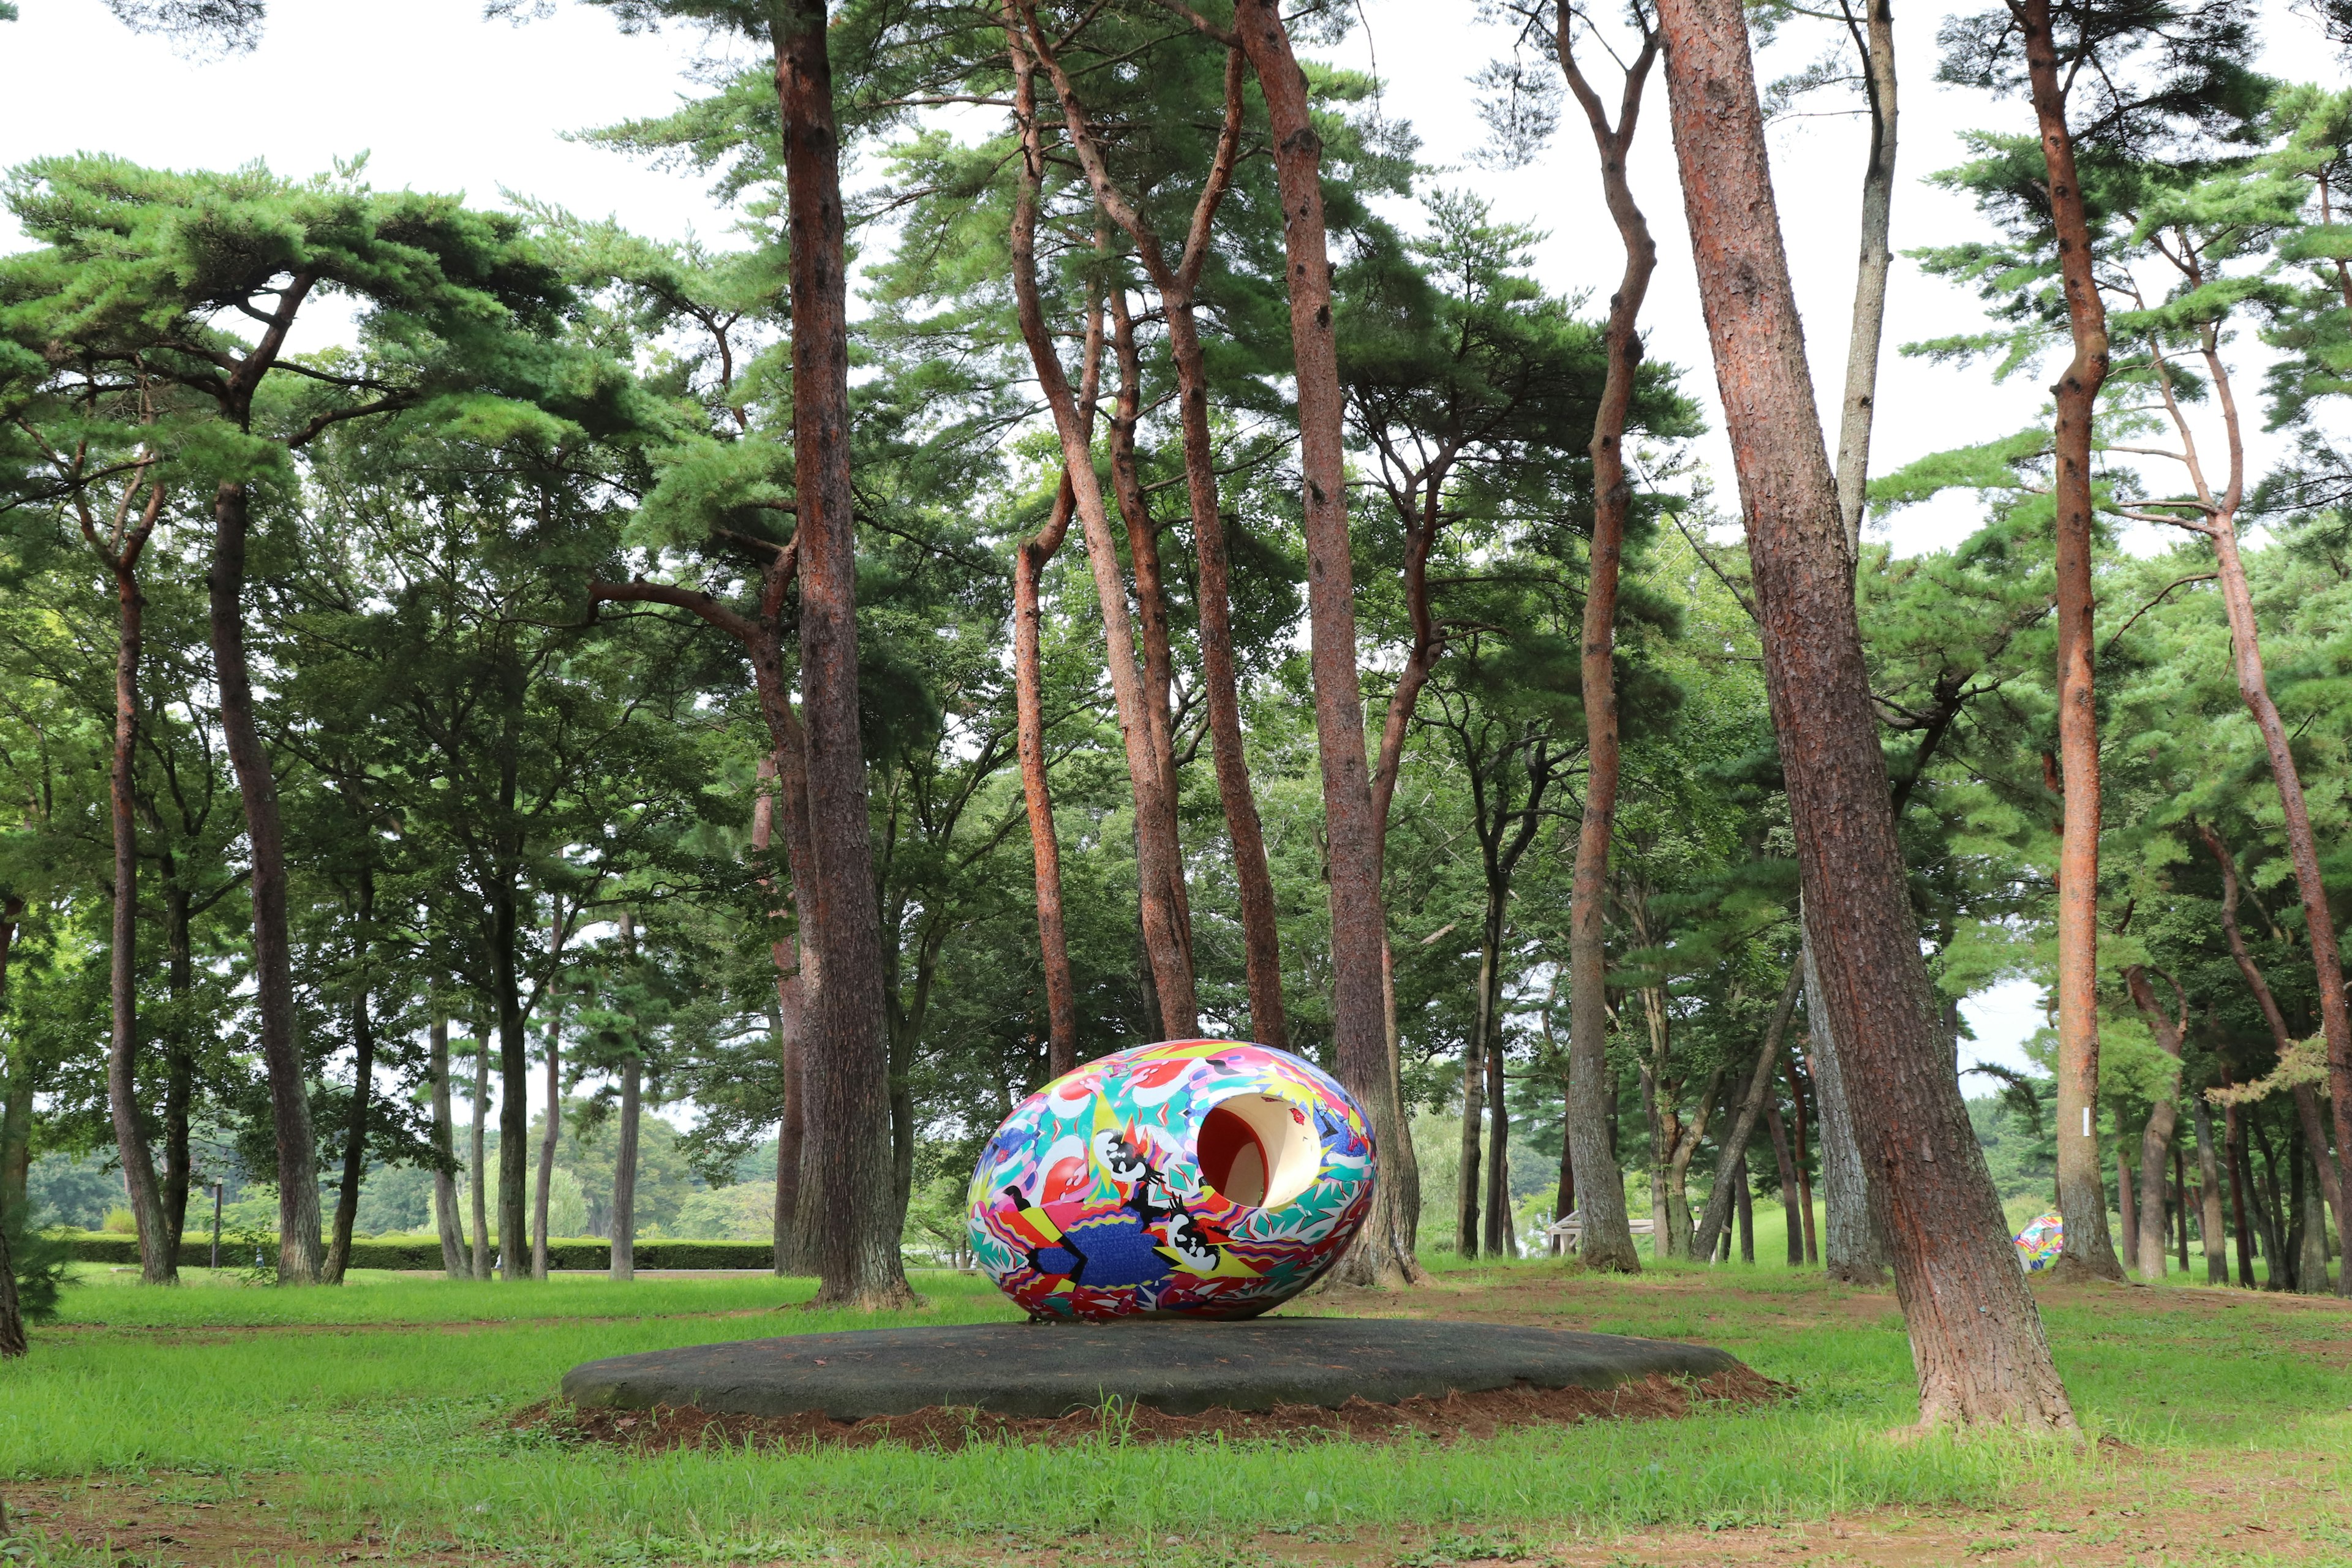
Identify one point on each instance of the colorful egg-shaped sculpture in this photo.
(1193, 1178)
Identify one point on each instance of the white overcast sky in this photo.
(442, 99)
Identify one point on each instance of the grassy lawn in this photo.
(224, 1423)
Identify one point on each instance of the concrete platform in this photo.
(1183, 1367)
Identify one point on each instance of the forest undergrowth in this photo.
(218, 1424)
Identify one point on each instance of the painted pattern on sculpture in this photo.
(1198, 1178)
(2041, 1240)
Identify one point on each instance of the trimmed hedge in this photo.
(195, 1253)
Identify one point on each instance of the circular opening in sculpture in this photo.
(1259, 1151)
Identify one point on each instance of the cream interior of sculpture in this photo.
(1258, 1149)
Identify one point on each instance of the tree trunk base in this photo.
(894, 1296)
(1858, 1274)
(1377, 1268)
(1600, 1260)
(2069, 1269)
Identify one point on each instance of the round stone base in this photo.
(1181, 1366)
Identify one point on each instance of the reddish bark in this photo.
(1029, 559)
(1142, 550)
(1158, 863)
(1608, 1234)
(1358, 1032)
(1977, 1340)
(264, 830)
(2082, 1193)
(847, 1063)
(1176, 282)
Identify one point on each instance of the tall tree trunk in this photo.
(355, 1127)
(1467, 1186)
(2155, 1139)
(2302, 851)
(446, 1219)
(2082, 1200)
(179, 1059)
(355, 1131)
(1401, 1160)
(792, 1127)
(1029, 558)
(1812, 1253)
(2155, 1150)
(264, 830)
(2310, 1217)
(622, 1260)
(1150, 613)
(514, 1084)
(2209, 1176)
(548, 1140)
(1876, 261)
(17, 1088)
(1220, 682)
(625, 1171)
(12, 1315)
(158, 1259)
(1792, 1196)
(1746, 1200)
(1382, 1255)
(1029, 561)
(1500, 1239)
(1564, 1202)
(480, 1185)
(2267, 1201)
(2242, 1170)
(846, 1065)
(1688, 1136)
(2181, 1204)
(1976, 1337)
(1852, 1248)
(1743, 1125)
(1175, 281)
(781, 767)
(2125, 1207)
(1167, 943)
(1608, 1237)
(2307, 1104)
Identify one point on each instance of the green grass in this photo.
(382, 1408)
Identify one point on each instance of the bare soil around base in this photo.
(1445, 1419)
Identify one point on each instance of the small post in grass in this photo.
(216, 1184)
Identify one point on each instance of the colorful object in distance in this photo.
(2040, 1242)
(1192, 1178)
